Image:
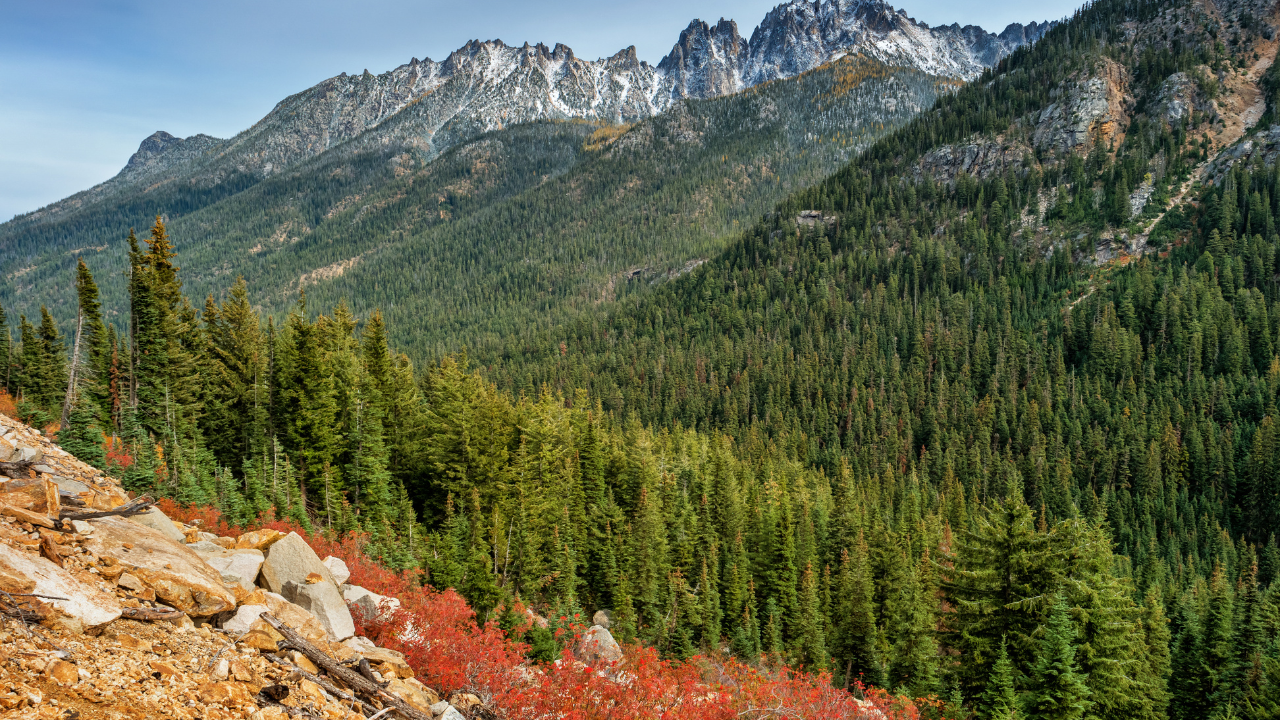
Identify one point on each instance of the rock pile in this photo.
(109, 609)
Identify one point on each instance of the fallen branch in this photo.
(290, 711)
(150, 614)
(134, 507)
(17, 470)
(347, 677)
(328, 686)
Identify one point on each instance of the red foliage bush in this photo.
(437, 632)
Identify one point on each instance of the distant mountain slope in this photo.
(422, 109)
(518, 226)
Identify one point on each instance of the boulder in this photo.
(598, 646)
(157, 520)
(323, 600)
(368, 604)
(602, 618)
(37, 495)
(338, 569)
(178, 576)
(238, 567)
(85, 606)
(444, 711)
(291, 559)
(241, 622)
(416, 694)
(264, 637)
(258, 539)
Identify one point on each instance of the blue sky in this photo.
(82, 83)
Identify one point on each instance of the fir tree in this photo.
(1057, 691)
(1000, 699)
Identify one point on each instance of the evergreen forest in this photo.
(929, 439)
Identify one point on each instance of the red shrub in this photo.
(439, 636)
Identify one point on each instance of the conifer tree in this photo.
(811, 646)
(1000, 701)
(6, 353)
(856, 637)
(1056, 690)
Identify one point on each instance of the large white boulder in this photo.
(291, 559)
(85, 606)
(323, 600)
(157, 520)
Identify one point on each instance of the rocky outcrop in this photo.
(178, 576)
(1179, 96)
(706, 61)
(129, 591)
(978, 158)
(84, 607)
(1092, 108)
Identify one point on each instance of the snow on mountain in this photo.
(429, 106)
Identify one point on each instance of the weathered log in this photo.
(17, 470)
(351, 679)
(328, 686)
(150, 614)
(136, 506)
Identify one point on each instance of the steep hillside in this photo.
(377, 127)
(519, 225)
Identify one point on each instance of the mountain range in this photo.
(430, 106)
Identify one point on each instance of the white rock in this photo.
(291, 559)
(239, 567)
(369, 604)
(85, 606)
(323, 600)
(81, 527)
(157, 520)
(244, 617)
(448, 712)
(339, 569)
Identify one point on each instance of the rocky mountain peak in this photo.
(706, 61)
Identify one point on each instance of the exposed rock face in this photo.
(979, 158)
(706, 61)
(323, 600)
(1179, 96)
(159, 522)
(799, 36)
(86, 606)
(177, 575)
(1093, 108)
(291, 559)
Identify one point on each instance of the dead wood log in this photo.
(150, 614)
(136, 506)
(347, 677)
(328, 686)
(17, 470)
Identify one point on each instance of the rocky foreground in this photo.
(109, 609)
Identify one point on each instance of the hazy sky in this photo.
(82, 83)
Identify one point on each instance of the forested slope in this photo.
(501, 231)
(988, 415)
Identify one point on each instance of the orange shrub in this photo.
(437, 632)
